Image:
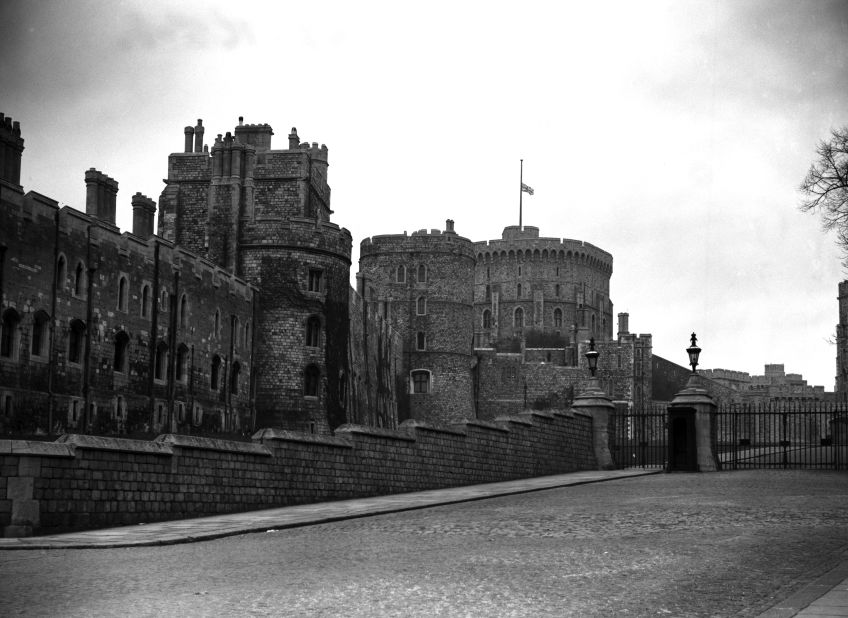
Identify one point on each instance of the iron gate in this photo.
(778, 434)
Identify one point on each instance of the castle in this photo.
(238, 313)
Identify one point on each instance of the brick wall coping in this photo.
(213, 444)
(513, 419)
(41, 449)
(413, 424)
(124, 445)
(540, 413)
(375, 431)
(486, 425)
(282, 435)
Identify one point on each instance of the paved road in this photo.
(721, 544)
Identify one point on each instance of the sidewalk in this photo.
(826, 596)
(217, 526)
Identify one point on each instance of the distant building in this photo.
(774, 385)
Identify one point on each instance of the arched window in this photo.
(518, 320)
(518, 294)
(61, 273)
(557, 318)
(145, 300)
(161, 365)
(420, 381)
(246, 334)
(79, 280)
(487, 319)
(163, 300)
(422, 273)
(122, 343)
(313, 332)
(421, 306)
(183, 311)
(421, 340)
(182, 363)
(234, 378)
(312, 378)
(235, 323)
(40, 334)
(215, 374)
(9, 334)
(400, 276)
(123, 293)
(76, 341)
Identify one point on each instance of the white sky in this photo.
(671, 134)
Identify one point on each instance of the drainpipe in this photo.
(154, 327)
(172, 349)
(89, 313)
(253, 363)
(228, 404)
(51, 358)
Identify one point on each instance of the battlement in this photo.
(526, 244)
(434, 241)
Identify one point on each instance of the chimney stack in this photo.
(623, 324)
(198, 136)
(189, 139)
(144, 210)
(100, 196)
(11, 149)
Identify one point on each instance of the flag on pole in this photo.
(526, 189)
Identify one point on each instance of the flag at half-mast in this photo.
(526, 188)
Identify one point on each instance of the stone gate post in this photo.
(593, 402)
(691, 425)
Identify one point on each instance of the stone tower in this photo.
(423, 285)
(264, 215)
(542, 292)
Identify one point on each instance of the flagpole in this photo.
(521, 195)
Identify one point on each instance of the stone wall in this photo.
(82, 482)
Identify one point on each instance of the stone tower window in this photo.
(420, 381)
(123, 294)
(400, 275)
(161, 363)
(9, 334)
(488, 292)
(40, 334)
(183, 311)
(312, 378)
(145, 300)
(234, 378)
(314, 283)
(421, 341)
(518, 294)
(422, 273)
(487, 319)
(215, 374)
(61, 273)
(556, 290)
(557, 318)
(182, 363)
(519, 271)
(518, 319)
(79, 280)
(217, 324)
(313, 332)
(421, 306)
(163, 300)
(76, 341)
(122, 343)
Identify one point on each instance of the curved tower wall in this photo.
(264, 214)
(438, 308)
(563, 294)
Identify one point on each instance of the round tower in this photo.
(540, 292)
(423, 284)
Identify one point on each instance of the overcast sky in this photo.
(671, 134)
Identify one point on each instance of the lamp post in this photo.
(694, 351)
(592, 357)
(595, 403)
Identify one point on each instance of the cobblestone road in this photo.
(721, 544)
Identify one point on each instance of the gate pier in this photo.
(691, 429)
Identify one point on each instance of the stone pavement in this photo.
(218, 526)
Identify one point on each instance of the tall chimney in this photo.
(144, 210)
(198, 136)
(294, 140)
(623, 324)
(189, 138)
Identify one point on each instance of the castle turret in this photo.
(423, 285)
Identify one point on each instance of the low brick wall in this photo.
(81, 482)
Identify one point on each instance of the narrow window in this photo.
(163, 300)
(401, 274)
(183, 311)
(487, 319)
(246, 334)
(593, 322)
(120, 411)
(421, 340)
(422, 306)
(519, 271)
(519, 291)
(234, 378)
(76, 341)
(197, 415)
(215, 373)
(519, 318)
(122, 342)
(79, 280)
(557, 318)
(40, 334)
(161, 365)
(313, 332)
(422, 274)
(488, 273)
(312, 378)
(314, 280)
(556, 290)
(217, 325)
(122, 294)
(182, 363)
(145, 300)
(61, 273)
(180, 411)
(8, 405)
(488, 292)
(420, 381)
(236, 329)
